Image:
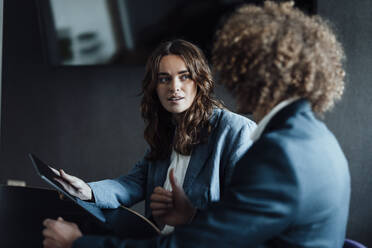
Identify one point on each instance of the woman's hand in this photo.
(74, 185)
(171, 208)
(161, 203)
(59, 233)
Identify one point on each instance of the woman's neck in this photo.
(177, 118)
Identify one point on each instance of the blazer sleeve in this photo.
(125, 190)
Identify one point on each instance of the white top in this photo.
(263, 123)
(179, 163)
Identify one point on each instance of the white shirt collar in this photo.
(263, 123)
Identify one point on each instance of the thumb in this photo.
(173, 181)
(60, 218)
(55, 171)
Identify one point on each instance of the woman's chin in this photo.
(176, 110)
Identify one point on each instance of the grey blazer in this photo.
(209, 171)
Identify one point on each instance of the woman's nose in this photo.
(175, 85)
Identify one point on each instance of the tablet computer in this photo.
(46, 173)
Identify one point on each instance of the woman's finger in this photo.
(161, 190)
(48, 233)
(159, 213)
(75, 182)
(161, 198)
(156, 205)
(67, 177)
(48, 222)
(50, 243)
(68, 187)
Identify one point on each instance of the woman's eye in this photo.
(185, 76)
(163, 80)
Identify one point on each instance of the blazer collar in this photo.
(267, 118)
(298, 106)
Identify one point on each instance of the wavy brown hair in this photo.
(160, 132)
(271, 53)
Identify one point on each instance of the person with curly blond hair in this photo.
(292, 187)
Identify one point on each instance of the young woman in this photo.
(188, 133)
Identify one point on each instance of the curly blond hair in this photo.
(268, 54)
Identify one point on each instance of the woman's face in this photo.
(176, 90)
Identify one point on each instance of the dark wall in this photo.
(1, 51)
(86, 119)
(352, 117)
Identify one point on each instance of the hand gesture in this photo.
(171, 208)
(161, 203)
(73, 185)
(60, 233)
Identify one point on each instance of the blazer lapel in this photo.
(200, 154)
(198, 159)
(160, 172)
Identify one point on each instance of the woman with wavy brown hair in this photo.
(191, 139)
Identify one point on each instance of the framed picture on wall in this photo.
(82, 32)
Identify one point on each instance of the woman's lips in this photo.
(175, 99)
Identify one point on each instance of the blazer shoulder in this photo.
(227, 118)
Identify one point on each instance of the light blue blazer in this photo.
(209, 172)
